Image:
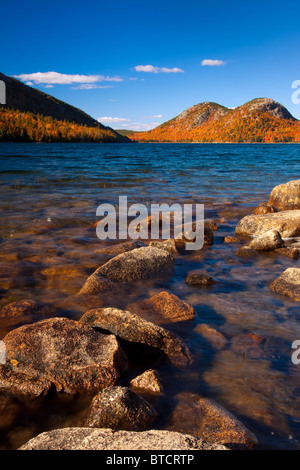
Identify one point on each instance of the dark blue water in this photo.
(48, 199)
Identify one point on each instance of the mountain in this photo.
(259, 120)
(23, 100)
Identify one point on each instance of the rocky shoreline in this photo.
(92, 356)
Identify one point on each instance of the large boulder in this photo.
(211, 422)
(134, 265)
(268, 241)
(108, 439)
(134, 329)
(120, 408)
(288, 283)
(287, 223)
(286, 196)
(60, 353)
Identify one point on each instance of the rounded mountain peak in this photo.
(268, 105)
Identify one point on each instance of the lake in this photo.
(48, 199)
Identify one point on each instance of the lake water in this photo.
(48, 199)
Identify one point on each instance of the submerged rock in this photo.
(248, 345)
(287, 223)
(199, 280)
(135, 265)
(134, 329)
(149, 382)
(115, 249)
(231, 240)
(210, 223)
(120, 408)
(165, 305)
(108, 439)
(21, 308)
(190, 236)
(289, 252)
(288, 283)
(246, 252)
(208, 236)
(9, 410)
(211, 422)
(268, 241)
(60, 353)
(286, 196)
(213, 336)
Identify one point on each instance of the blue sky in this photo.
(135, 64)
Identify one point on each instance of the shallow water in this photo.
(48, 199)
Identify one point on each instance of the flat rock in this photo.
(149, 382)
(120, 408)
(60, 353)
(287, 223)
(286, 196)
(165, 305)
(108, 439)
(288, 283)
(268, 241)
(134, 329)
(134, 265)
(211, 422)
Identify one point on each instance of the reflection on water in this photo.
(48, 199)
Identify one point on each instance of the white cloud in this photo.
(156, 116)
(153, 69)
(89, 86)
(173, 70)
(138, 126)
(55, 78)
(110, 120)
(146, 68)
(213, 62)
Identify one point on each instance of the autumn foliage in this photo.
(239, 125)
(29, 127)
